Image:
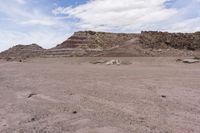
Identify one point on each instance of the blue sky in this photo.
(49, 22)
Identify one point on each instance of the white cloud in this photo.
(20, 14)
(186, 25)
(21, 1)
(39, 22)
(25, 24)
(61, 10)
(121, 14)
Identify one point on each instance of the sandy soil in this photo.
(70, 95)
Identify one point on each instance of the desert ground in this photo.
(71, 95)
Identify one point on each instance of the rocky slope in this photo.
(144, 44)
(90, 43)
(155, 40)
(96, 40)
(188, 41)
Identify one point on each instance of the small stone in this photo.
(32, 94)
(178, 60)
(74, 112)
(113, 62)
(32, 119)
(98, 61)
(190, 61)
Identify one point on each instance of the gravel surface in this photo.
(71, 95)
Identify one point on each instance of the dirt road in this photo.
(70, 95)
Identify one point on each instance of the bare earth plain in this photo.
(71, 95)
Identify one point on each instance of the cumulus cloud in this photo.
(26, 24)
(118, 14)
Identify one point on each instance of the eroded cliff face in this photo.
(96, 40)
(155, 40)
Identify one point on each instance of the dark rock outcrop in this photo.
(156, 40)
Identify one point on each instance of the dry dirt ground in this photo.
(70, 95)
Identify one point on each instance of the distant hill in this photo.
(22, 52)
(91, 43)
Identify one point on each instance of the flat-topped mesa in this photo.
(95, 40)
(147, 39)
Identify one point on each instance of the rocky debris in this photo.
(178, 60)
(113, 62)
(164, 40)
(110, 62)
(196, 58)
(100, 61)
(163, 96)
(190, 61)
(31, 95)
(74, 112)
